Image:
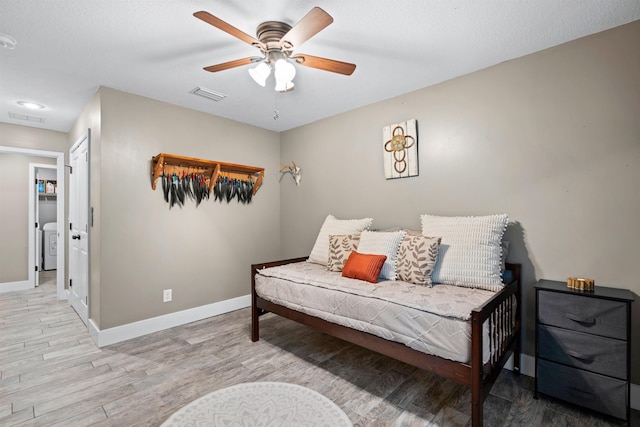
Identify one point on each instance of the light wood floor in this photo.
(51, 373)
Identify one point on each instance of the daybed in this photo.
(382, 317)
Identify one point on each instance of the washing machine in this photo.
(50, 246)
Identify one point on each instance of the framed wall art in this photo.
(400, 149)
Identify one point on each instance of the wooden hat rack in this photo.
(209, 176)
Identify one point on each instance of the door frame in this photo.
(34, 196)
(60, 209)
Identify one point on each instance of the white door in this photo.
(79, 228)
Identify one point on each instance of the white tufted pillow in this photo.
(382, 243)
(470, 250)
(320, 252)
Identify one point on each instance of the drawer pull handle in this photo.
(585, 357)
(580, 319)
(581, 393)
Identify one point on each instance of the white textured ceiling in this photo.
(156, 48)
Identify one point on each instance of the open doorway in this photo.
(44, 193)
(24, 276)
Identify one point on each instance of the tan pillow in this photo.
(340, 246)
(417, 257)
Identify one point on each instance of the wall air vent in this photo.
(28, 118)
(208, 93)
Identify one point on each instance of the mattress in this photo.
(433, 320)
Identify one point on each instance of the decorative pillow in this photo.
(331, 225)
(382, 243)
(407, 231)
(470, 249)
(340, 246)
(363, 266)
(417, 257)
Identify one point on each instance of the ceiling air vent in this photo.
(26, 117)
(208, 93)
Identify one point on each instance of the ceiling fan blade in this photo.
(228, 28)
(230, 64)
(311, 24)
(325, 64)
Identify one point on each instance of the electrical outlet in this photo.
(166, 295)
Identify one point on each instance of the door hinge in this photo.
(71, 226)
(70, 283)
(36, 225)
(70, 170)
(36, 268)
(86, 300)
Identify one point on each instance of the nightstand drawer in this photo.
(598, 354)
(594, 391)
(580, 313)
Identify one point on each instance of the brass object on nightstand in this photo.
(581, 284)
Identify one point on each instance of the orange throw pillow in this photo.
(363, 266)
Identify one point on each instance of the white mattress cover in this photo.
(433, 320)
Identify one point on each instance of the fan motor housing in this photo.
(271, 32)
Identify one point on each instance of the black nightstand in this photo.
(583, 346)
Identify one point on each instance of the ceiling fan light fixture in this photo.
(284, 73)
(284, 87)
(276, 41)
(260, 73)
(284, 70)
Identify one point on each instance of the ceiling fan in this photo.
(276, 41)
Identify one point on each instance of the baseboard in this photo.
(15, 286)
(528, 368)
(528, 365)
(155, 324)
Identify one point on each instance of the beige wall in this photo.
(14, 193)
(552, 139)
(202, 253)
(32, 138)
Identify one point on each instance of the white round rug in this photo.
(269, 404)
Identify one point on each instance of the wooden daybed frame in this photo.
(475, 375)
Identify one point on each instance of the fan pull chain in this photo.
(276, 113)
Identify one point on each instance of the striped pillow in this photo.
(470, 249)
(382, 243)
